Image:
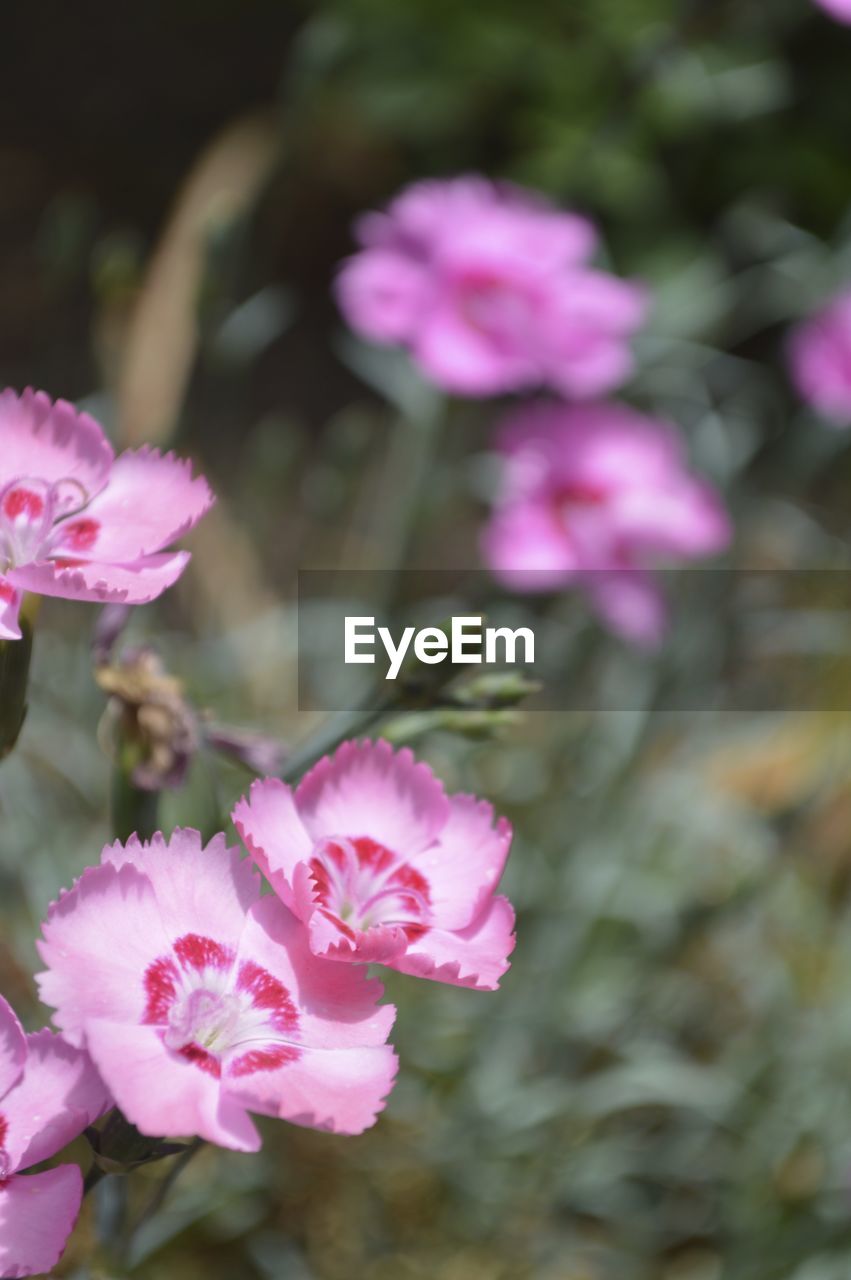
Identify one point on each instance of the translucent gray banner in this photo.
(744, 640)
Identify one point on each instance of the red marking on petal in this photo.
(81, 535)
(414, 931)
(409, 878)
(7, 592)
(23, 502)
(321, 880)
(338, 923)
(160, 983)
(67, 562)
(197, 952)
(268, 993)
(4, 1129)
(578, 494)
(264, 1059)
(201, 1058)
(372, 854)
(336, 853)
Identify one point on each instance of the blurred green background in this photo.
(660, 1091)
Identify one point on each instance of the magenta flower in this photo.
(820, 358)
(593, 496)
(49, 1093)
(77, 522)
(199, 1001)
(489, 288)
(839, 9)
(381, 865)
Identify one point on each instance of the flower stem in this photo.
(14, 675)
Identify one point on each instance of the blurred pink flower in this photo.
(383, 866)
(820, 358)
(200, 1001)
(592, 496)
(489, 288)
(49, 1093)
(839, 9)
(77, 522)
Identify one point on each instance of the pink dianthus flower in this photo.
(381, 865)
(49, 1093)
(490, 289)
(200, 1001)
(820, 358)
(592, 496)
(77, 522)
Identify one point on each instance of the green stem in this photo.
(158, 1198)
(134, 811)
(348, 724)
(14, 676)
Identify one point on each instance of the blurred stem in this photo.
(14, 676)
(159, 1197)
(347, 724)
(134, 810)
(413, 448)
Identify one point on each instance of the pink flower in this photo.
(592, 496)
(820, 358)
(77, 522)
(489, 288)
(199, 1000)
(49, 1093)
(382, 865)
(840, 9)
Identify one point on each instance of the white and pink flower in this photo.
(49, 1093)
(592, 497)
(200, 1001)
(79, 523)
(381, 865)
(490, 289)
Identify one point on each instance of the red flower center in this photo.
(358, 883)
(220, 1015)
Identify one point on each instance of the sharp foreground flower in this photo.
(49, 1093)
(199, 1001)
(382, 865)
(489, 287)
(593, 496)
(77, 522)
(820, 358)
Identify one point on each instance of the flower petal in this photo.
(336, 1003)
(151, 500)
(137, 583)
(10, 604)
(367, 789)
(473, 957)
(59, 1094)
(339, 1090)
(273, 833)
(163, 1094)
(527, 549)
(465, 866)
(13, 1047)
(381, 293)
(37, 1215)
(197, 888)
(51, 441)
(99, 938)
